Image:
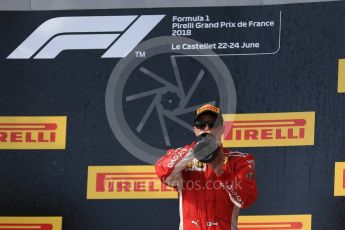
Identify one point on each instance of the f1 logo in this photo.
(118, 34)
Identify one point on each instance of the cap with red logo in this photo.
(208, 108)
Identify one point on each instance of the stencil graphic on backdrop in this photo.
(169, 101)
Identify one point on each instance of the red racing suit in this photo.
(207, 201)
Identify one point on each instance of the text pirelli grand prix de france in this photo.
(187, 26)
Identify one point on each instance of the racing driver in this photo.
(213, 185)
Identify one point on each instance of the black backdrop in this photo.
(302, 76)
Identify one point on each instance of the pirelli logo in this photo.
(33, 223)
(276, 222)
(33, 132)
(269, 129)
(126, 182)
(341, 76)
(339, 179)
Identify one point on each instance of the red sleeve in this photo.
(239, 180)
(170, 166)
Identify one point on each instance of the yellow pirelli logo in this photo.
(339, 179)
(341, 76)
(269, 129)
(276, 222)
(126, 182)
(26, 223)
(33, 132)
